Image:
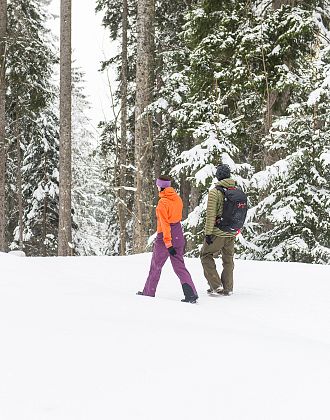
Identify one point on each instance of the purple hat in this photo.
(162, 183)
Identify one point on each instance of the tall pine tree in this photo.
(31, 124)
(291, 218)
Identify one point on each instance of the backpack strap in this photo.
(218, 217)
(220, 188)
(224, 189)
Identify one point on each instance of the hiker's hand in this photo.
(208, 239)
(172, 251)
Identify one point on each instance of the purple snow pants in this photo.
(159, 256)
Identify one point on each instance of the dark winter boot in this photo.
(192, 299)
(189, 294)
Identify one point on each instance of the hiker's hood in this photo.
(169, 193)
(227, 183)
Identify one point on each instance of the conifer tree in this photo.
(90, 205)
(117, 139)
(292, 215)
(30, 61)
(168, 21)
(246, 64)
(200, 94)
(40, 187)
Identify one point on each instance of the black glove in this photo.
(172, 250)
(208, 239)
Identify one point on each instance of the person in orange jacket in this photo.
(169, 242)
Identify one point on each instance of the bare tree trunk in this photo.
(158, 148)
(185, 185)
(123, 132)
(194, 201)
(157, 131)
(277, 4)
(3, 33)
(65, 229)
(44, 226)
(190, 201)
(19, 189)
(185, 189)
(270, 97)
(143, 124)
(44, 212)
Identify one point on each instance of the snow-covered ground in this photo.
(76, 343)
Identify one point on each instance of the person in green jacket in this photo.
(217, 241)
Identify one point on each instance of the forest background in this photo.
(198, 83)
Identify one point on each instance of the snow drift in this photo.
(78, 344)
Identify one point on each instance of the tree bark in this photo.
(123, 132)
(19, 189)
(65, 228)
(3, 33)
(143, 124)
(44, 211)
(193, 203)
(159, 145)
(185, 185)
(44, 226)
(277, 4)
(185, 190)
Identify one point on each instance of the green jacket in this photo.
(215, 208)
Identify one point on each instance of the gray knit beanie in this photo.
(223, 172)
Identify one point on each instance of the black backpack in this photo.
(234, 209)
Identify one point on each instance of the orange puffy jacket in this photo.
(168, 210)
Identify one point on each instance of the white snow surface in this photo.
(78, 344)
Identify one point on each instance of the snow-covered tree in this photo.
(117, 139)
(291, 221)
(243, 69)
(40, 187)
(90, 204)
(206, 80)
(169, 20)
(31, 128)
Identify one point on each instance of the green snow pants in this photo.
(225, 247)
